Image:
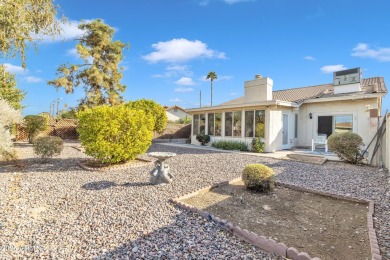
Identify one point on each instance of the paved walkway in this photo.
(276, 155)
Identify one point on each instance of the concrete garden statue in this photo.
(160, 174)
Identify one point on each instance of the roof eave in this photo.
(244, 105)
(341, 98)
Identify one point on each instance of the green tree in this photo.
(34, 125)
(101, 74)
(23, 22)
(153, 110)
(211, 76)
(8, 89)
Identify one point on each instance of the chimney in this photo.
(258, 90)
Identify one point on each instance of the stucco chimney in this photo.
(259, 89)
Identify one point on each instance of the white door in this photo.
(285, 144)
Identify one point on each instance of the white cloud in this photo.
(183, 90)
(364, 51)
(333, 68)
(175, 100)
(73, 52)
(175, 71)
(31, 79)
(15, 69)
(233, 94)
(69, 31)
(309, 58)
(185, 81)
(181, 50)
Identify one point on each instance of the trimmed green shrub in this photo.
(34, 125)
(346, 146)
(203, 138)
(258, 177)
(48, 146)
(114, 134)
(257, 145)
(230, 145)
(153, 110)
(186, 120)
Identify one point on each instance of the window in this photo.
(218, 124)
(249, 119)
(202, 123)
(210, 121)
(343, 124)
(228, 123)
(237, 123)
(260, 123)
(195, 125)
(199, 124)
(296, 126)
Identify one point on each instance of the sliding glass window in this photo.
(249, 119)
(210, 122)
(195, 125)
(237, 123)
(228, 123)
(218, 124)
(260, 123)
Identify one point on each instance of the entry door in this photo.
(325, 125)
(285, 131)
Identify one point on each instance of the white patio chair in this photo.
(321, 139)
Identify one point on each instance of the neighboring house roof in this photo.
(299, 95)
(173, 107)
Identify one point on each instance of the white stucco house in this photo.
(293, 117)
(175, 113)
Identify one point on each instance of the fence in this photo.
(64, 128)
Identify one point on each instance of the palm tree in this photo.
(211, 76)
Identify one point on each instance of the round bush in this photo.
(153, 110)
(346, 146)
(258, 177)
(114, 134)
(48, 146)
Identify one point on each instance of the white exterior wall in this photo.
(363, 125)
(174, 116)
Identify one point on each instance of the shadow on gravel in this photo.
(38, 165)
(101, 185)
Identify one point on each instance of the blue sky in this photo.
(175, 43)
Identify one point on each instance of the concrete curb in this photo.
(271, 245)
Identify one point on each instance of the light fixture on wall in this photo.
(310, 115)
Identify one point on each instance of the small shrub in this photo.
(257, 145)
(34, 125)
(8, 117)
(346, 146)
(230, 145)
(203, 138)
(114, 134)
(48, 146)
(258, 177)
(186, 120)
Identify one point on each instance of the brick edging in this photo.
(271, 245)
(374, 246)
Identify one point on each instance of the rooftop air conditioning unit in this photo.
(344, 77)
(347, 81)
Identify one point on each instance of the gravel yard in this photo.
(57, 210)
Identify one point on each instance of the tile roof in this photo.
(298, 95)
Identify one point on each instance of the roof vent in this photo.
(258, 76)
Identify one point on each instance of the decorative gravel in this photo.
(57, 210)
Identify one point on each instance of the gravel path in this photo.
(57, 210)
